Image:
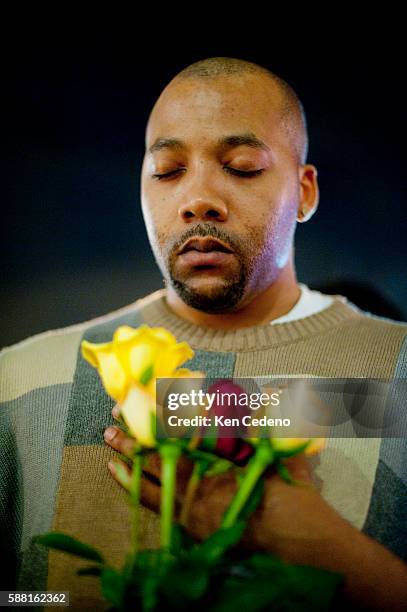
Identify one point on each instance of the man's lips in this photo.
(199, 258)
(204, 253)
(204, 245)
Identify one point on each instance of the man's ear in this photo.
(309, 192)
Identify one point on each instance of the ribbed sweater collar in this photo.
(156, 312)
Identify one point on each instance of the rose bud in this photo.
(230, 444)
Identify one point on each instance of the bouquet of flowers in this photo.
(186, 574)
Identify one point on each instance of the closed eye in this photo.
(234, 171)
(166, 174)
(243, 173)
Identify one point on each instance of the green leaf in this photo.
(219, 467)
(210, 438)
(316, 586)
(264, 582)
(311, 588)
(154, 560)
(208, 443)
(60, 541)
(251, 588)
(254, 595)
(285, 475)
(113, 586)
(280, 454)
(181, 540)
(149, 595)
(262, 562)
(151, 567)
(184, 582)
(284, 472)
(147, 374)
(200, 455)
(202, 467)
(212, 549)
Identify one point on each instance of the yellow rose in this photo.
(315, 445)
(137, 355)
(138, 411)
(129, 366)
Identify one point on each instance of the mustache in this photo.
(205, 230)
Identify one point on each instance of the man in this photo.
(224, 182)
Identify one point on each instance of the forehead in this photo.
(202, 109)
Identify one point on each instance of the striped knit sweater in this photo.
(54, 410)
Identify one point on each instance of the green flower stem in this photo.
(135, 487)
(169, 454)
(193, 482)
(262, 458)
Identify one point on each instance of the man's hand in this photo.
(294, 522)
(272, 525)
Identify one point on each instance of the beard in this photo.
(219, 300)
(220, 297)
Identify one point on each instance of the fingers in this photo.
(151, 482)
(116, 412)
(293, 471)
(299, 468)
(120, 472)
(119, 441)
(152, 465)
(150, 496)
(150, 492)
(152, 470)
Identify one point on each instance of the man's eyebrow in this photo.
(247, 139)
(166, 143)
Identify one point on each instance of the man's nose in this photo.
(201, 208)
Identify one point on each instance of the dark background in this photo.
(74, 244)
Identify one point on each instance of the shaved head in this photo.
(292, 112)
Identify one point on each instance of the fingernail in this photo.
(110, 465)
(116, 411)
(110, 433)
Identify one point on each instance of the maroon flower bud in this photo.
(229, 443)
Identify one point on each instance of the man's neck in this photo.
(273, 302)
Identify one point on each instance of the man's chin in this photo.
(209, 295)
